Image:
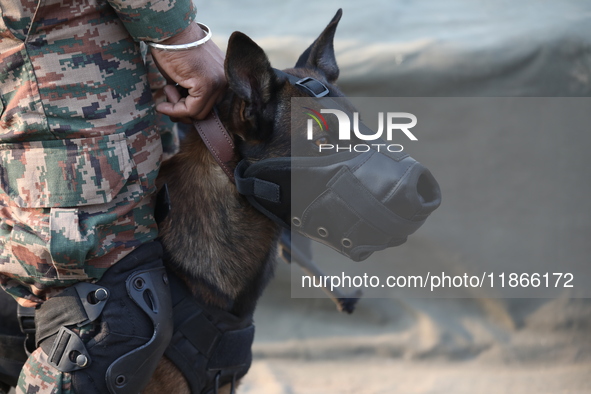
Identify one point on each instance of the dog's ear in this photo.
(320, 55)
(248, 71)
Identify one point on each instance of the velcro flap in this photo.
(201, 333)
(234, 349)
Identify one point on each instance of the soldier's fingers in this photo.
(201, 107)
(205, 97)
(172, 94)
(197, 105)
(175, 111)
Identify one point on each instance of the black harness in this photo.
(210, 346)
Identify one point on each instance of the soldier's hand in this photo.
(199, 71)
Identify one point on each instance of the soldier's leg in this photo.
(105, 337)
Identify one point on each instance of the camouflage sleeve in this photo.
(154, 20)
(169, 130)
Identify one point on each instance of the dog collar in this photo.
(218, 142)
(311, 86)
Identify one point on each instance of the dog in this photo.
(216, 241)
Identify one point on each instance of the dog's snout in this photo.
(428, 191)
(416, 194)
(422, 193)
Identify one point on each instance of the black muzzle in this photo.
(355, 203)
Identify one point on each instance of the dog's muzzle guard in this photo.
(355, 203)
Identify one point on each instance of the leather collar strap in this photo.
(219, 142)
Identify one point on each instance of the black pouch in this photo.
(131, 307)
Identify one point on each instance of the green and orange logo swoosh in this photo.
(318, 118)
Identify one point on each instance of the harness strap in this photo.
(211, 347)
(251, 186)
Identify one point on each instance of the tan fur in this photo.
(167, 379)
(198, 185)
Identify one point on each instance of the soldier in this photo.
(79, 154)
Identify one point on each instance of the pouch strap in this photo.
(77, 305)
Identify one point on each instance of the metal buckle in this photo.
(26, 319)
(26, 322)
(306, 83)
(68, 352)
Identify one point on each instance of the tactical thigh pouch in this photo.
(132, 314)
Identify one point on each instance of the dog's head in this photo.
(355, 203)
(260, 106)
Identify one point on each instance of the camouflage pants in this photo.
(38, 377)
(79, 145)
(101, 209)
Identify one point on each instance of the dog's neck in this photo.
(217, 242)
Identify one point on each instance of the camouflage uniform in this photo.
(79, 149)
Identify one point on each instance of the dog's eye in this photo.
(321, 141)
